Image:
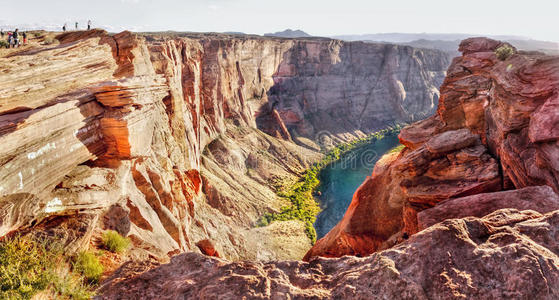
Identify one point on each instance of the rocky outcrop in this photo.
(507, 254)
(161, 137)
(495, 128)
(538, 198)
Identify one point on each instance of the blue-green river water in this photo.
(341, 179)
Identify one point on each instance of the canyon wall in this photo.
(351, 89)
(496, 128)
(178, 141)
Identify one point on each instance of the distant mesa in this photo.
(288, 33)
(235, 32)
(449, 42)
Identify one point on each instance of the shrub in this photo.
(4, 44)
(28, 266)
(73, 286)
(49, 40)
(89, 266)
(504, 52)
(396, 149)
(115, 242)
(37, 34)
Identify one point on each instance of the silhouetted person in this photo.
(76, 25)
(15, 36)
(89, 25)
(64, 27)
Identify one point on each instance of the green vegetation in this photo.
(38, 34)
(396, 149)
(303, 206)
(115, 242)
(28, 267)
(4, 44)
(504, 52)
(89, 266)
(49, 40)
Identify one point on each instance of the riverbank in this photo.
(303, 205)
(340, 180)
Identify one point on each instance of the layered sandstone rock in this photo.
(507, 254)
(159, 137)
(495, 128)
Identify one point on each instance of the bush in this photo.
(73, 286)
(49, 40)
(28, 266)
(38, 34)
(504, 52)
(89, 266)
(115, 242)
(396, 149)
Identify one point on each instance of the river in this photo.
(341, 179)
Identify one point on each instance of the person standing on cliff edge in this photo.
(15, 37)
(76, 25)
(64, 27)
(89, 25)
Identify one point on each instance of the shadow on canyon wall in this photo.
(350, 89)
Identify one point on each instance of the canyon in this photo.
(181, 142)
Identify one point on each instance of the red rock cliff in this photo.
(496, 128)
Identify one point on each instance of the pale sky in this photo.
(534, 18)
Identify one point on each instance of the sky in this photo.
(535, 18)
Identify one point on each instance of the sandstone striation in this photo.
(495, 128)
(506, 254)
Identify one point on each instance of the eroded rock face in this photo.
(495, 128)
(342, 87)
(161, 138)
(506, 254)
